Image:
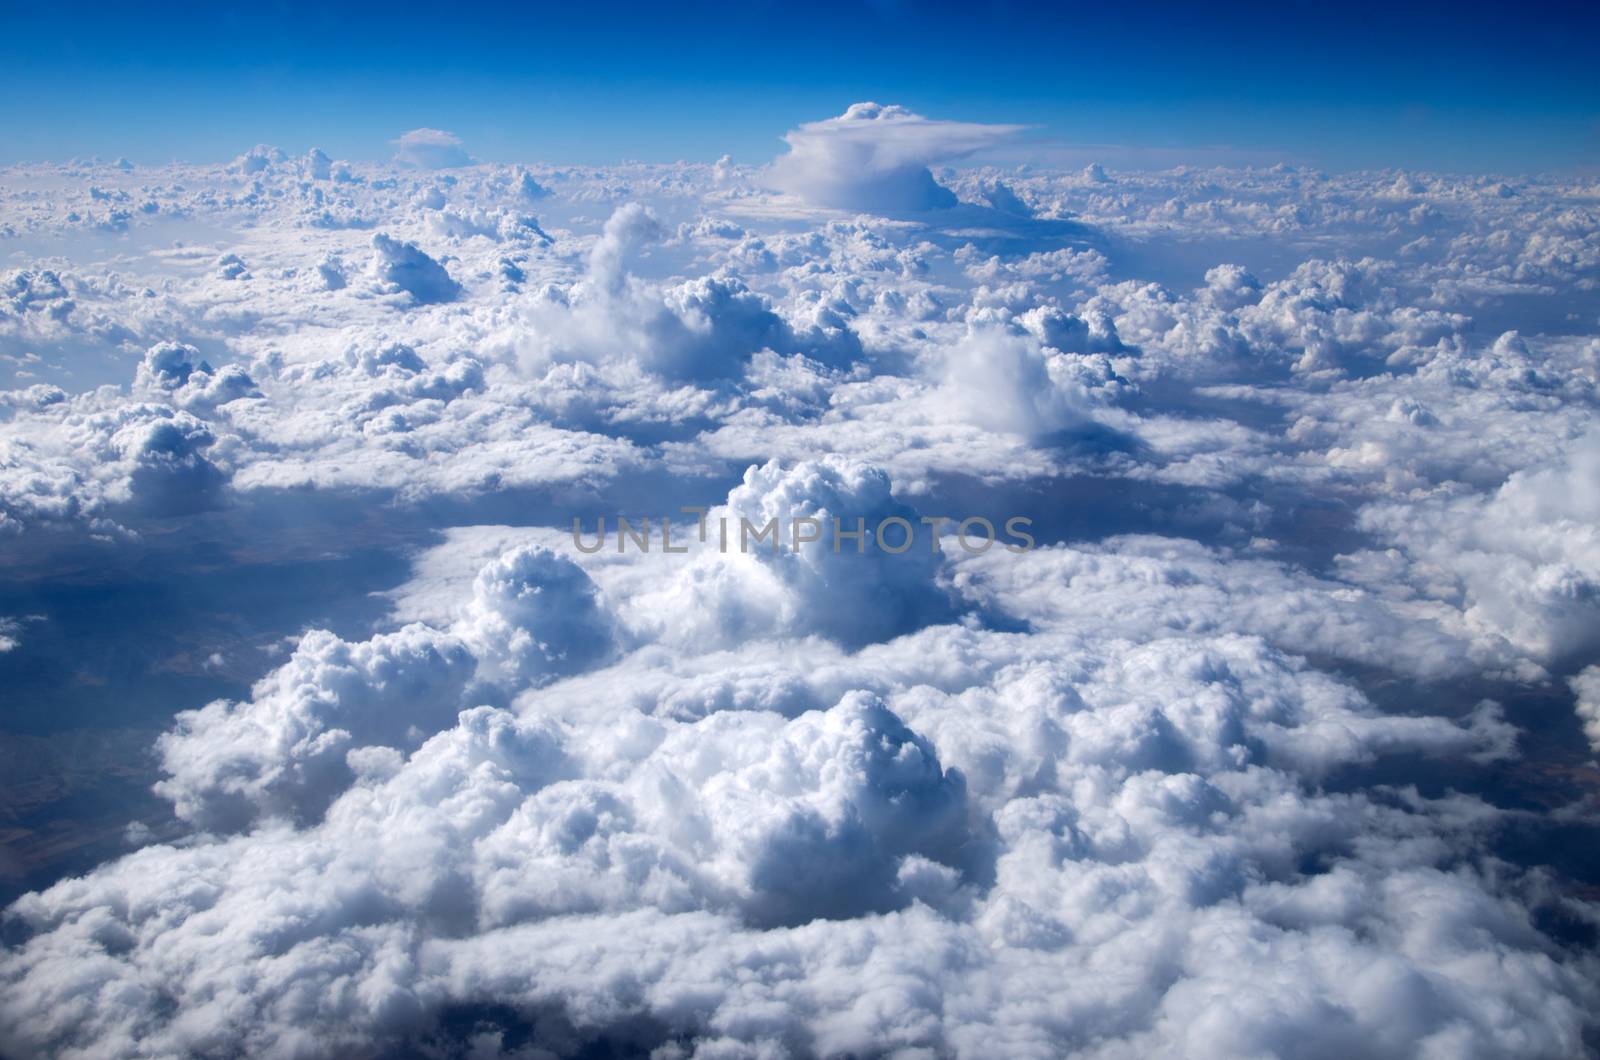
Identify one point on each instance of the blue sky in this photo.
(1503, 89)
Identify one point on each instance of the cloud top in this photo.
(875, 158)
(431, 149)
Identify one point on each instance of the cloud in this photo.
(1586, 686)
(1521, 563)
(1220, 768)
(736, 587)
(259, 159)
(287, 752)
(335, 707)
(1066, 826)
(75, 461)
(430, 149)
(1005, 383)
(176, 372)
(536, 616)
(404, 267)
(875, 158)
(317, 165)
(703, 329)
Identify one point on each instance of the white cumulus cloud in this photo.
(431, 149)
(875, 158)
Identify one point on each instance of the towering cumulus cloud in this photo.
(799, 551)
(704, 329)
(875, 158)
(431, 149)
(404, 267)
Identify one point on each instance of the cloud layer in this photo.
(1258, 751)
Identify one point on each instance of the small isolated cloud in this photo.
(1586, 686)
(876, 158)
(431, 149)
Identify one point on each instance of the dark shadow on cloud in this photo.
(548, 1030)
(1090, 440)
(405, 267)
(1548, 789)
(1268, 519)
(998, 232)
(1180, 397)
(1089, 508)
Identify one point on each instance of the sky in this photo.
(1461, 88)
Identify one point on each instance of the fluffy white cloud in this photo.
(700, 329)
(1042, 840)
(86, 462)
(1007, 384)
(804, 576)
(430, 149)
(1586, 686)
(336, 707)
(259, 159)
(535, 616)
(1522, 563)
(175, 371)
(288, 751)
(404, 267)
(1312, 462)
(875, 158)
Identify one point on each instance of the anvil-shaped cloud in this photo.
(875, 158)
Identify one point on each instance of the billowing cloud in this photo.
(1267, 741)
(802, 577)
(703, 329)
(1586, 687)
(1062, 823)
(176, 372)
(336, 707)
(1522, 563)
(1007, 383)
(430, 149)
(875, 158)
(405, 267)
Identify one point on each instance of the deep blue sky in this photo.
(1511, 88)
